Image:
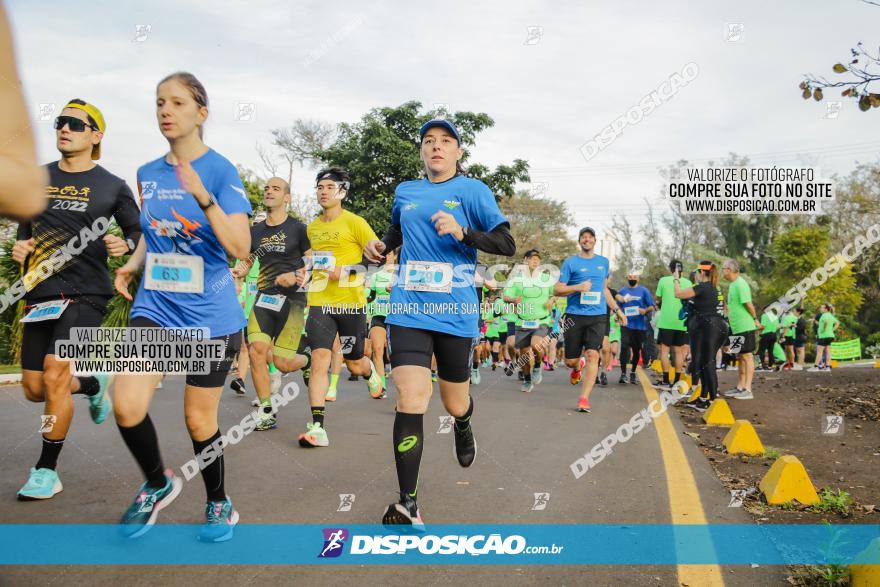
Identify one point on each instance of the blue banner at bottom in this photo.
(525, 544)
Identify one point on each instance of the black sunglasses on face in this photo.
(75, 124)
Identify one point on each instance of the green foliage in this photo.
(771, 453)
(822, 576)
(831, 501)
(382, 150)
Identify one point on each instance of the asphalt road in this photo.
(526, 445)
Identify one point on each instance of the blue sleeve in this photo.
(481, 209)
(649, 301)
(395, 210)
(230, 192)
(565, 273)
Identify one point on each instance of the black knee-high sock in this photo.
(494, 356)
(88, 386)
(462, 423)
(143, 443)
(49, 454)
(213, 474)
(408, 439)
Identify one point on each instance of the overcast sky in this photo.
(592, 62)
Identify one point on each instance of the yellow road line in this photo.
(684, 497)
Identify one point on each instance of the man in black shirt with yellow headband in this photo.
(65, 280)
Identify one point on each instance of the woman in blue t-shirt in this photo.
(439, 221)
(194, 211)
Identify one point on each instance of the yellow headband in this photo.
(91, 111)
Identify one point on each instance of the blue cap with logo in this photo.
(442, 123)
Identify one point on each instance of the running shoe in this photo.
(465, 446)
(575, 376)
(701, 405)
(142, 513)
(508, 369)
(475, 376)
(434, 376)
(307, 373)
(537, 376)
(220, 519)
(797, 367)
(237, 385)
(404, 513)
(741, 394)
(584, 405)
(42, 484)
(274, 382)
(814, 368)
(265, 420)
(825, 369)
(547, 366)
(603, 379)
(100, 404)
(632, 379)
(374, 383)
(526, 387)
(494, 366)
(622, 378)
(314, 436)
(330, 396)
(732, 392)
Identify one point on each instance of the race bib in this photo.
(323, 261)
(46, 311)
(529, 324)
(175, 273)
(270, 302)
(735, 343)
(427, 276)
(252, 288)
(631, 311)
(590, 298)
(383, 300)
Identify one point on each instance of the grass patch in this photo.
(822, 576)
(771, 453)
(6, 369)
(830, 501)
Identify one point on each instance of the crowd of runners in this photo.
(412, 307)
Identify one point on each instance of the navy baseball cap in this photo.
(586, 229)
(441, 123)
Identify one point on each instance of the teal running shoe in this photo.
(142, 513)
(537, 375)
(220, 518)
(42, 484)
(475, 376)
(374, 383)
(100, 404)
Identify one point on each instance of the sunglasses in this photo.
(75, 124)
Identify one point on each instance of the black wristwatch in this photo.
(211, 201)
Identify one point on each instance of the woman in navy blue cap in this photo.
(439, 222)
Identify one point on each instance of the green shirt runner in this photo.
(770, 323)
(827, 322)
(535, 292)
(670, 305)
(789, 322)
(738, 295)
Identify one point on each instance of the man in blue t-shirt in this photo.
(583, 278)
(637, 303)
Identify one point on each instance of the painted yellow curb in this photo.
(787, 480)
(866, 575)
(719, 414)
(743, 440)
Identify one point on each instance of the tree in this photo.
(382, 150)
(863, 70)
(296, 145)
(536, 223)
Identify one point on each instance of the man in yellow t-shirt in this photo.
(336, 297)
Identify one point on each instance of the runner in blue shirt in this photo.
(583, 278)
(636, 302)
(194, 211)
(439, 221)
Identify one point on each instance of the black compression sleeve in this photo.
(128, 216)
(497, 242)
(393, 237)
